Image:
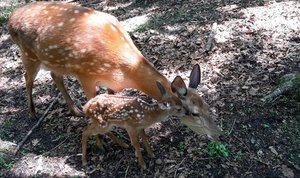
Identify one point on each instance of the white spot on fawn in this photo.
(60, 24)
(107, 65)
(76, 11)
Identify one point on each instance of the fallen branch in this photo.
(35, 126)
(178, 166)
(282, 88)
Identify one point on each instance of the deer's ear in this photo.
(195, 77)
(178, 86)
(161, 88)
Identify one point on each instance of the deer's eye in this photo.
(195, 114)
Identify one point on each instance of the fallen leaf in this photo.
(287, 172)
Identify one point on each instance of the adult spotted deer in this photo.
(92, 46)
(131, 113)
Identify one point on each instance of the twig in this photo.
(118, 165)
(231, 127)
(282, 88)
(56, 146)
(242, 143)
(35, 126)
(178, 167)
(126, 172)
(260, 160)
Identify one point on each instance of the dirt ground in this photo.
(254, 44)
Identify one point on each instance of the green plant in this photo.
(265, 125)
(5, 128)
(7, 10)
(181, 146)
(6, 162)
(237, 155)
(217, 149)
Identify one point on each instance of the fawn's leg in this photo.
(134, 137)
(58, 79)
(92, 129)
(32, 67)
(85, 137)
(146, 143)
(117, 140)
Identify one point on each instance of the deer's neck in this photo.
(145, 78)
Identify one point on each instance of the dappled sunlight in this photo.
(132, 24)
(31, 165)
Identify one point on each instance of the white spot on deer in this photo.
(77, 66)
(86, 14)
(102, 69)
(72, 19)
(68, 40)
(53, 46)
(51, 56)
(83, 50)
(130, 58)
(45, 12)
(107, 65)
(26, 54)
(126, 46)
(46, 62)
(59, 15)
(68, 65)
(49, 18)
(118, 75)
(76, 11)
(60, 24)
(70, 55)
(113, 27)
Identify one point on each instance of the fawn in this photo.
(93, 46)
(131, 113)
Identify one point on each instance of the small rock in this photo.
(287, 172)
(208, 166)
(273, 150)
(252, 140)
(158, 161)
(260, 152)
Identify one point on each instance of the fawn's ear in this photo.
(195, 77)
(161, 89)
(178, 86)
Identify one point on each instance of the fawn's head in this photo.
(170, 102)
(197, 108)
